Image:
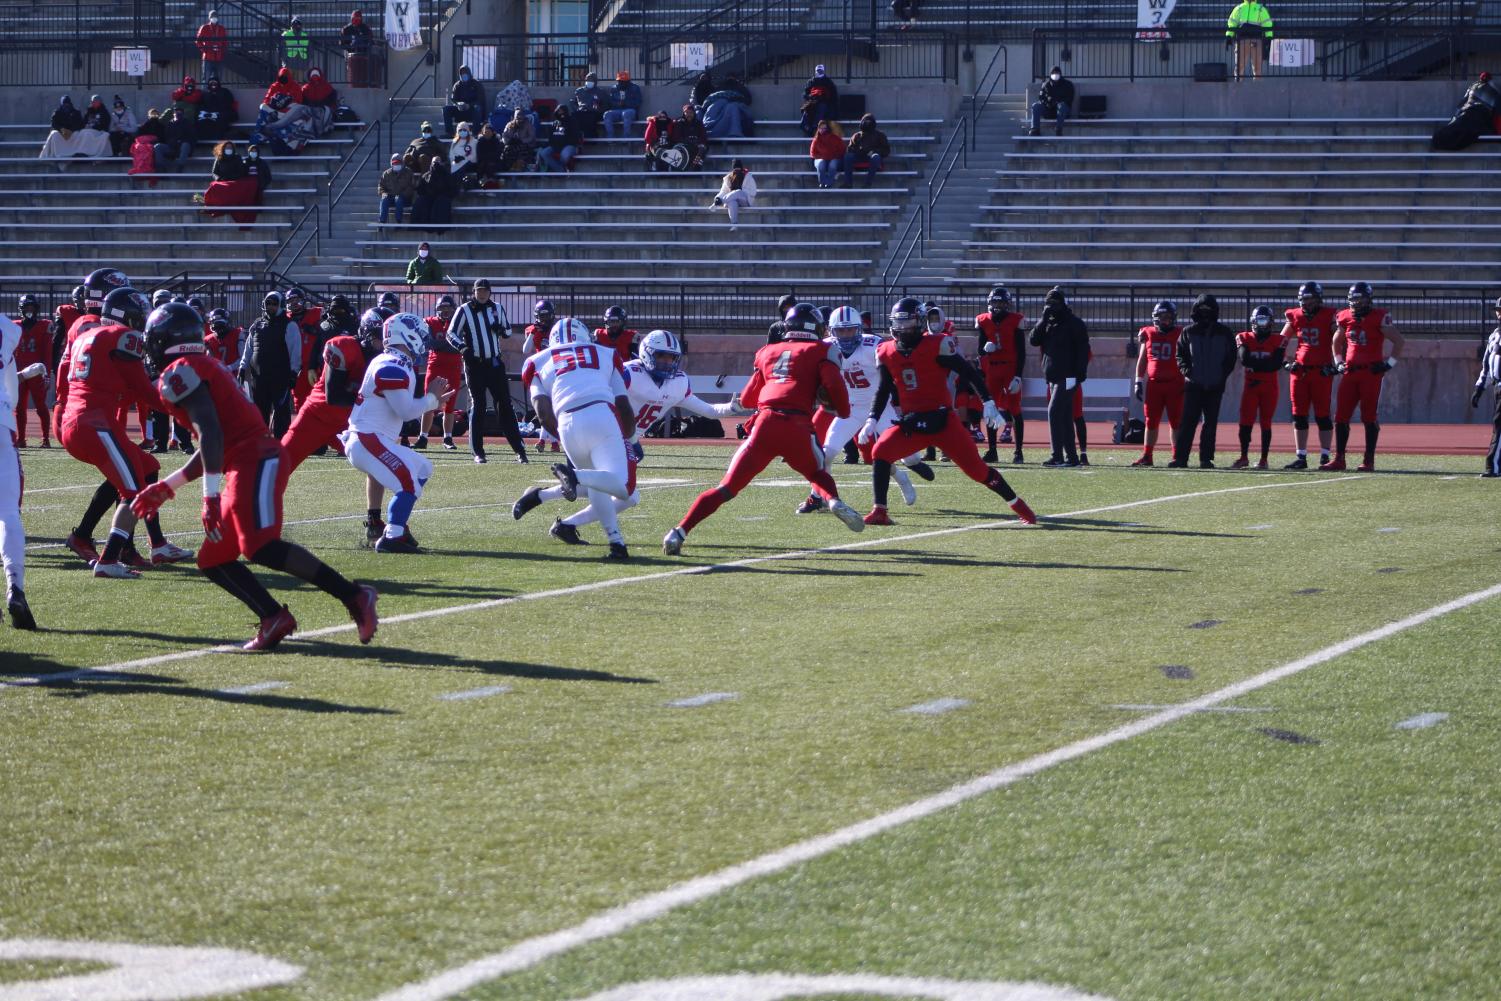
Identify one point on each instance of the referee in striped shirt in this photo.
(476, 332)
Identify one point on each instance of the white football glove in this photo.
(992, 414)
(989, 347)
(1016, 385)
(33, 370)
(1070, 383)
(869, 431)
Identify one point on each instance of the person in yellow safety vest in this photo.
(1250, 22)
(294, 46)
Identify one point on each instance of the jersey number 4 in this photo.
(782, 370)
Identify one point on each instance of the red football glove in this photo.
(213, 519)
(150, 500)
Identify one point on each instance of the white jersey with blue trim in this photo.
(388, 397)
(573, 376)
(651, 398)
(862, 372)
(10, 339)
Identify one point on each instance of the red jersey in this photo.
(1162, 352)
(922, 383)
(1315, 335)
(787, 377)
(106, 369)
(437, 327)
(81, 322)
(340, 354)
(35, 344)
(1260, 349)
(1364, 341)
(67, 315)
(1001, 333)
(534, 339)
(620, 344)
(225, 349)
(238, 419)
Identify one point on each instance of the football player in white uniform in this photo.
(386, 401)
(855, 351)
(12, 538)
(580, 396)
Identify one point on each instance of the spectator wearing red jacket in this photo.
(827, 152)
(319, 96)
(187, 98)
(284, 86)
(213, 43)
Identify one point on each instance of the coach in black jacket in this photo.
(1064, 340)
(1206, 356)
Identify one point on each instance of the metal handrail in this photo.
(275, 260)
(976, 104)
(334, 199)
(946, 163)
(917, 239)
(394, 111)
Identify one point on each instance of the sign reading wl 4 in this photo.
(131, 62)
(1151, 19)
(692, 55)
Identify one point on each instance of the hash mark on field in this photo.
(1177, 672)
(1310, 590)
(259, 686)
(694, 701)
(754, 517)
(1422, 721)
(1258, 528)
(474, 693)
(1206, 624)
(937, 707)
(1388, 530)
(1286, 736)
(1448, 477)
(1149, 707)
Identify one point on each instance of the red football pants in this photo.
(894, 445)
(777, 435)
(1259, 399)
(1162, 394)
(1359, 386)
(315, 425)
(102, 443)
(1310, 389)
(255, 477)
(33, 391)
(998, 382)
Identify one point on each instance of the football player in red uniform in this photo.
(62, 322)
(1262, 352)
(35, 346)
(222, 338)
(915, 369)
(244, 472)
(534, 339)
(1003, 361)
(1311, 384)
(105, 367)
(307, 319)
(1366, 344)
(786, 381)
(443, 361)
(324, 415)
(1159, 382)
(616, 335)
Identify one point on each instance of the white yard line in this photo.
(476, 606)
(618, 920)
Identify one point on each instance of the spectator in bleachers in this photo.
(466, 101)
(589, 105)
(1479, 114)
(690, 133)
(217, 112)
(69, 138)
(827, 153)
(820, 100)
(321, 100)
(733, 82)
(259, 169)
(282, 104)
(868, 147)
(185, 99)
(625, 106)
(1055, 99)
(463, 155)
(67, 119)
(562, 143)
(398, 188)
(122, 127)
(356, 40)
(736, 191)
(1249, 24)
(295, 48)
(517, 142)
(96, 115)
(177, 142)
(703, 86)
(232, 185)
(435, 192)
(488, 152)
(213, 42)
(658, 137)
(726, 113)
(424, 148)
(424, 269)
(904, 11)
(514, 96)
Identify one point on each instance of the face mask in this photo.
(229, 152)
(463, 133)
(464, 77)
(427, 133)
(253, 155)
(423, 253)
(213, 20)
(590, 83)
(1056, 76)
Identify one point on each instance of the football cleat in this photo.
(1005, 436)
(1053, 462)
(374, 530)
(1366, 467)
(672, 542)
(83, 548)
(813, 504)
(566, 533)
(1175, 464)
(448, 443)
(421, 441)
(878, 516)
(116, 571)
(1240, 463)
(168, 553)
(529, 500)
(400, 544)
(1301, 462)
(922, 469)
(1017, 457)
(20, 612)
(132, 558)
(567, 479)
(1206, 463)
(1332, 466)
(1023, 512)
(480, 460)
(847, 514)
(1145, 460)
(1083, 458)
(362, 610)
(406, 534)
(273, 630)
(521, 457)
(1263, 464)
(909, 492)
(618, 552)
(990, 456)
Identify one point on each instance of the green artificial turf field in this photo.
(559, 737)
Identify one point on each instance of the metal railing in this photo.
(947, 160)
(396, 104)
(908, 243)
(291, 249)
(985, 86)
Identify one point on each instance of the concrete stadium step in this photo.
(183, 192)
(1032, 180)
(1188, 199)
(1207, 253)
(633, 217)
(769, 197)
(1174, 160)
(771, 230)
(1287, 269)
(641, 283)
(1231, 216)
(583, 269)
(1271, 233)
(1242, 126)
(1232, 146)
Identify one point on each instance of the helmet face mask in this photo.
(1165, 314)
(372, 327)
(29, 306)
(1311, 297)
(171, 330)
(1261, 321)
(846, 328)
(569, 330)
(999, 301)
(404, 332)
(615, 319)
(662, 354)
(543, 313)
(906, 323)
(1359, 298)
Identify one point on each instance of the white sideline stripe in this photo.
(1151, 708)
(474, 693)
(259, 686)
(937, 707)
(477, 606)
(1259, 528)
(708, 698)
(613, 922)
(1422, 721)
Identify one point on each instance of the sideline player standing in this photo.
(1490, 375)
(615, 335)
(244, 472)
(443, 360)
(1003, 360)
(35, 346)
(1262, 352)
(915, 372)
(783, 387)
(1159, 382)
(12, 480)
(1361, 333)
(1311, 384)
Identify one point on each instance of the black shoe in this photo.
(20, 612)
(402, 544)
(1083, 459)
(564, 532)
(1034, 132)
(1489, 476)
(851, 454)
(448, 444)
(1053, 462)
(521, 458)
(1071, 462)
(159, 449)
(931, 455)
(406, 442)
(567, 480)
(1016, 457)
(374, 529)
(1301, 462)
(1177, 464)
(1206, 463)
(531, 499)
(813, 504)
(186, 447)
(321, 450)
(480, 459)
(618, 552)
(990, 456)
(421, 441)
(922, 469)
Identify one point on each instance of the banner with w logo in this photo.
(404, 24)
(1151, 19)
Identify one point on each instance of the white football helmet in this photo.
(569, 330)
(660, 342)
(406, 331)
(846, 327)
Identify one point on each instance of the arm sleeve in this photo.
(457, 329)
(1039, 331)
(980, 339)
(751, 394)
(884, 392)
(701, 407)
(294, 347)
(1185, 354)
(1021, 351)
(1243, 351)
(832, 381)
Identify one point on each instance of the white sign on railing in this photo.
(403, 25)
(1151, 19)
(1292, 52)
(131, 62)
(691, 55)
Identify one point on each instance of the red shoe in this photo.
(878, 516)
(1023, 512)
(362, 610)
(132, 558)
(1240, 463)
(1332, 466)
(1366, 467)
(273, 630)
(1145, 460)
(1263, 465)
(83, 548)
(22, 443)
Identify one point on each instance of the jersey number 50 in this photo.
(582, 356)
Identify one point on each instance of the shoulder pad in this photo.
(946, 345)
(179, 380)
(333, 355)
(129, 343)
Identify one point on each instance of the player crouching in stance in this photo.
(388, 399)
(580, 397)
(915, 369)
(784, 385)
(244, 471)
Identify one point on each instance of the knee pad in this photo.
(1301, 423)
(1325, 423)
